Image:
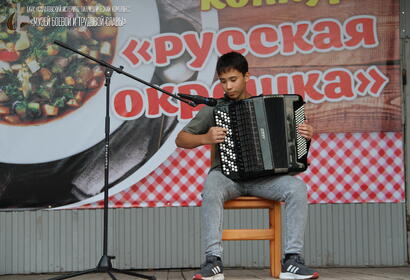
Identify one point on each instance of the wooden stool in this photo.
(273, 233)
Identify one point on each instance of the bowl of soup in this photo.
(53, 100)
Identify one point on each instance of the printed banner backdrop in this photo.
(341, 56)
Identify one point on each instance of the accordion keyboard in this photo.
(227, 148)
(300, 140)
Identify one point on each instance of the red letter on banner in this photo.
(263, 40)
(305, 84)
(327, 35)
(362, 31)
(231, 39)
(128, 52)
(129, 104)
(338, 85)
(166, 47)
(282, 85)
(198, 50)
(266, 84)
(135, 50)
(159, 102)
(291, 39)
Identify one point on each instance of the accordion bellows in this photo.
(262, 138)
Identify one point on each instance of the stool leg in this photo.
(276, 243)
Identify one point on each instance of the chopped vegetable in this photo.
(98, 72)
(26, 88)
(95, 54)
(83, 32)
(59, 65)
(33, 109)
(73, 103)
(23, 42)
(10, 46)
(45, 74)
(20, 107)
(85, 49)
(32, 64)
(49, 110)
(60, 101)
(16, 67)
(93, 84)
(105, 48)
(24, 77)
(69, 81)
(45, 93)
(9, 56)
(4, 110)
(52, 50)
(3, 96)
(79, 96)
(4, 66)
(82, 75)
(105, 32)
(12, 119)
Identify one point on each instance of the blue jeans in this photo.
(219, 188)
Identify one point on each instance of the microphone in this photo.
(199, 99)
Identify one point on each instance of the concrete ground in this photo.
(396, 273)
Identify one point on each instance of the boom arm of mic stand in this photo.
(120, 71)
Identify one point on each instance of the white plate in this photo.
(84, 127)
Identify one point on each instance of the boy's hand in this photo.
(306, 130)
(216, 134)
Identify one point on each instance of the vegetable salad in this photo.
(39, 81)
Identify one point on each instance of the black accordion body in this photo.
(262, 136)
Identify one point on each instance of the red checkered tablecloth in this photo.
(344, 168)
(359, 167)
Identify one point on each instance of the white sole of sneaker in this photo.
(288, 275)
(215, 277)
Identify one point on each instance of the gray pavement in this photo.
(396, 273)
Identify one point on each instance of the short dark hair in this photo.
(232, 60)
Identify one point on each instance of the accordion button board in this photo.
(227, 148)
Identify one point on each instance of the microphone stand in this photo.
(105, 265)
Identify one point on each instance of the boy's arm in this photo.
(188, 140)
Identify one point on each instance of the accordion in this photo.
(262, 137)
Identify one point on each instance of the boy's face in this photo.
(234, 84)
